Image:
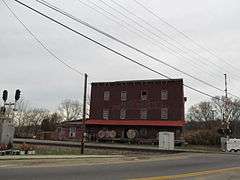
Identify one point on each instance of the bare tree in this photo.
(28, 120)
(35, 117)
(21, 108)
(20, 120)
(229, 107)
(206, 120)
(50, 122)
(201, 112)
(70, 110)
(215, 109)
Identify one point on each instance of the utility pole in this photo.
(84, 113)
(226, 119)
(226, 89)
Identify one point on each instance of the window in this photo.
(59, 130)
(164, 113)
(105, 113)
(143, 113)
(72, 132)
(164, 95)
(106, 95)
(123, 95)
(123, 114)
(143, 95)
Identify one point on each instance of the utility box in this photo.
(166, 140)
(7, 131)
(233, 145)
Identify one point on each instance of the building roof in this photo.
(146, 80)
(179, 123)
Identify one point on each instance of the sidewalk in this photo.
(29, 157)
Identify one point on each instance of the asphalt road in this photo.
(189, 166)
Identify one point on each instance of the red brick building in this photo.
(131, 111)
(135, 100)
(147, 106)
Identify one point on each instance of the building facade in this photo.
(136, 109)
(138, 100)
(131, 111)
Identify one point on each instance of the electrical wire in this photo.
(130, 27)
(171, 51)
(124, 43)
(110, 49)
(41, 43)
(186, 36)
(168, 36)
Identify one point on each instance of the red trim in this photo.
(179, 123)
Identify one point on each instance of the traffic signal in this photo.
(5, 95)
(2, 110)
(17, 95)
(220, 131)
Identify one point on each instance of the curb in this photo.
(35, 157)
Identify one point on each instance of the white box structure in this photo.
(7, 131)
(166, 140)
(233, 145)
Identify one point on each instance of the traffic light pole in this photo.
(84, 113)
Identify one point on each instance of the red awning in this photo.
(179, 123)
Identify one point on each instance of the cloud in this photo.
(45, 82)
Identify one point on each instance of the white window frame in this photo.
(123, 113)
(143, 113)
(60, 129)
(123, 95)
(105, 114)
(72, 132)
(106, 95)
(164, 95)
(144, 97)
(164, 113)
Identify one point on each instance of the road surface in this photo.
(184, 166)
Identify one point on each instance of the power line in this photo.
(41, 43)
(110, 49)
(186, 57)
(130, 27)
(170, 50)
(168, 36)
(122, 42)
(186, 36)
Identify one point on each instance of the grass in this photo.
(201, 147)
(58, 150)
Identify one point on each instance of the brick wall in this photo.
(133, 105)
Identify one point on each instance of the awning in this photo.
(179, 123)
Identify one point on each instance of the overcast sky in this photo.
(215, 24)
